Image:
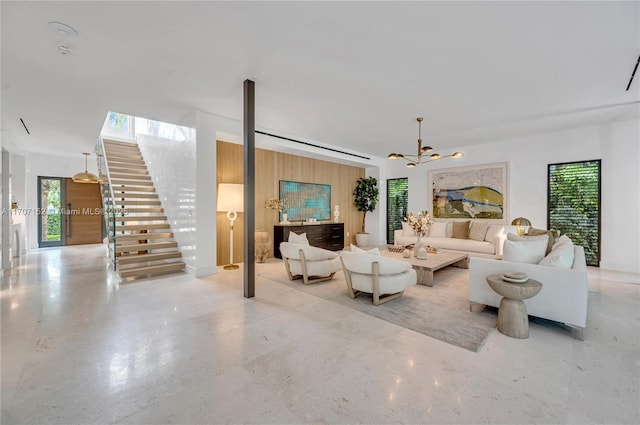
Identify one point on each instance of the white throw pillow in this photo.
(516, 238)
(407, 230)
(530, 252)
(298, 238)
(560, 256)
(493, 232)
(561, 240)
(439, 229)
(373, 251)
(478, 231)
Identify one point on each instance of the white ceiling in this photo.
(347, 74)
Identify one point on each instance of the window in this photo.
(397, 204)
(574, 204)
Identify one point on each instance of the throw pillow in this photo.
(551, 233)
(373, 251)
(560, 256)
(439, 229)
(460, 229)
(561, 240)
(298, 238)
(524, 251)
(477, 231)
(407, 230)
(493, 232)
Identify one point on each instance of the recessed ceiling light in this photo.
(63, 30)
(64, 50)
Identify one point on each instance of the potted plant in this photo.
(365, 199)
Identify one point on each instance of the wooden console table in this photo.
(323, 235)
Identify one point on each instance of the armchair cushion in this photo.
(362, 263)
(311, 253)
(372, 251)
(310, 263)
(392, 278)
(298, 238)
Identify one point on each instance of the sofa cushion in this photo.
(460, 229)
(373, 251)
(465, 245)
(527, 250)
(478, 230)
(553, 235)
(560, 256)
(493, 231)
(298, 238)
(407, 229)
(439, 229)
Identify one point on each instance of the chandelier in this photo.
(421, 157)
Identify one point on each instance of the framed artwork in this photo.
(478, 192)
(305, 200)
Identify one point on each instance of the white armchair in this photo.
(310, 263)
(385, 278)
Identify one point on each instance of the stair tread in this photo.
(142, 218)
(129, 176)
(149, 202)
(156, 269)
(131, 183)
(145, 246)
(143, 236)
(154, 256)
(125, 227)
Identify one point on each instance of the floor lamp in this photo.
(231, 201)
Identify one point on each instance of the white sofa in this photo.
(564, 293)
(489, 247)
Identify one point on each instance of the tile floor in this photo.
(78, 347)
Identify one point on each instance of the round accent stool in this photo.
(513, 320)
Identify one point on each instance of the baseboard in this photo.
(629, 268)
(202, 271)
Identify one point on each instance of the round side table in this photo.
(513, 319)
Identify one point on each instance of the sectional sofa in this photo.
(476, 238)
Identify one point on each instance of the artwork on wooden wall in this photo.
(478, 192)
(305, 200)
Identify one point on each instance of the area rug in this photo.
(440, 311)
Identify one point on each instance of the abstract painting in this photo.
(478, 192)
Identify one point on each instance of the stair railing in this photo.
(109, 210)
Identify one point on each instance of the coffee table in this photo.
(425, 268)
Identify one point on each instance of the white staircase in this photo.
(141, 237)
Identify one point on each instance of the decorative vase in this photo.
(285, 220)
(417, 245)
(261, 245)
(336, 214)
(362, 239)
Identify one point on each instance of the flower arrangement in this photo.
(421, 223)
(274, 204)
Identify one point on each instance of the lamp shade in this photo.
(520, 221)
(230, 197)
(85, 176)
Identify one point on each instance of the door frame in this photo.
(63, 217)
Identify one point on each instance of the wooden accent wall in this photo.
(271, 167)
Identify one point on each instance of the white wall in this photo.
(170, 159)
(48, 166)
(615, 144)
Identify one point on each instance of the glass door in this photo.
(51, 220)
